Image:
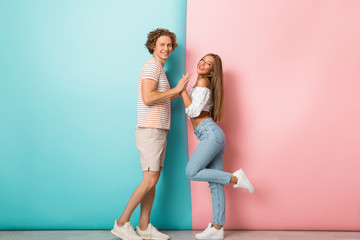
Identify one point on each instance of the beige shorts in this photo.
(151, 143)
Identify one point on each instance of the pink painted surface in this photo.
(292, 110)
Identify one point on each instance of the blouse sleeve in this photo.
(199, 97)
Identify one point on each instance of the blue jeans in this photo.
(206, 164)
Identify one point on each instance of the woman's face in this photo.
(206, 65)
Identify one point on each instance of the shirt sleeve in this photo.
(151, 71)
(199, 97)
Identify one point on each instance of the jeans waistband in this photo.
(202, 126)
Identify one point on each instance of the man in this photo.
(153, 106)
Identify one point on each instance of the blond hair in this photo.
(217, 88)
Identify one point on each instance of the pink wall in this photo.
(292, 110)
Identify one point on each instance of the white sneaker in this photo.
(211, 233)
(125, 232)
(151, 233)
(243, 181)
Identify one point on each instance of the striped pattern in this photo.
(157, 115)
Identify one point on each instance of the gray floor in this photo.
(180, 235)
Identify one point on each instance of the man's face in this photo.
(163, 47)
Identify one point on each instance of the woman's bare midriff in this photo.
(203, 115)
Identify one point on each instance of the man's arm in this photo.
(151, 96)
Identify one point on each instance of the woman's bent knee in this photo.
(190, 174)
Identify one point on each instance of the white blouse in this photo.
(201, 101)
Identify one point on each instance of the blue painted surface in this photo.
(68, 89)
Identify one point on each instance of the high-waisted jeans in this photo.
(206, 164)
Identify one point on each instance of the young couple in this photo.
(203, 105)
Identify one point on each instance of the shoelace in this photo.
(152, 228)
(130, 227)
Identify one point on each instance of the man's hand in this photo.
(151, 96)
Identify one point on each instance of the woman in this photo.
(203, 106)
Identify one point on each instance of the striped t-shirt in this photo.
(156, 115)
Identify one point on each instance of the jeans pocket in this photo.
(219, 136)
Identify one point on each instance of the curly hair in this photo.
(154, 35)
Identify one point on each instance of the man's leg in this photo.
(146, 189)
(145, 208)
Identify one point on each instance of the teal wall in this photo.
(68, 86)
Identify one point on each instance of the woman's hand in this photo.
(183, 82)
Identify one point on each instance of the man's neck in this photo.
(161, 61)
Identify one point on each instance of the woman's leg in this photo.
(203, 155)
(217, 192)
(215, 230)
(206, 164)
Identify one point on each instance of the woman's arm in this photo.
(202, 82)
(186, 98)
